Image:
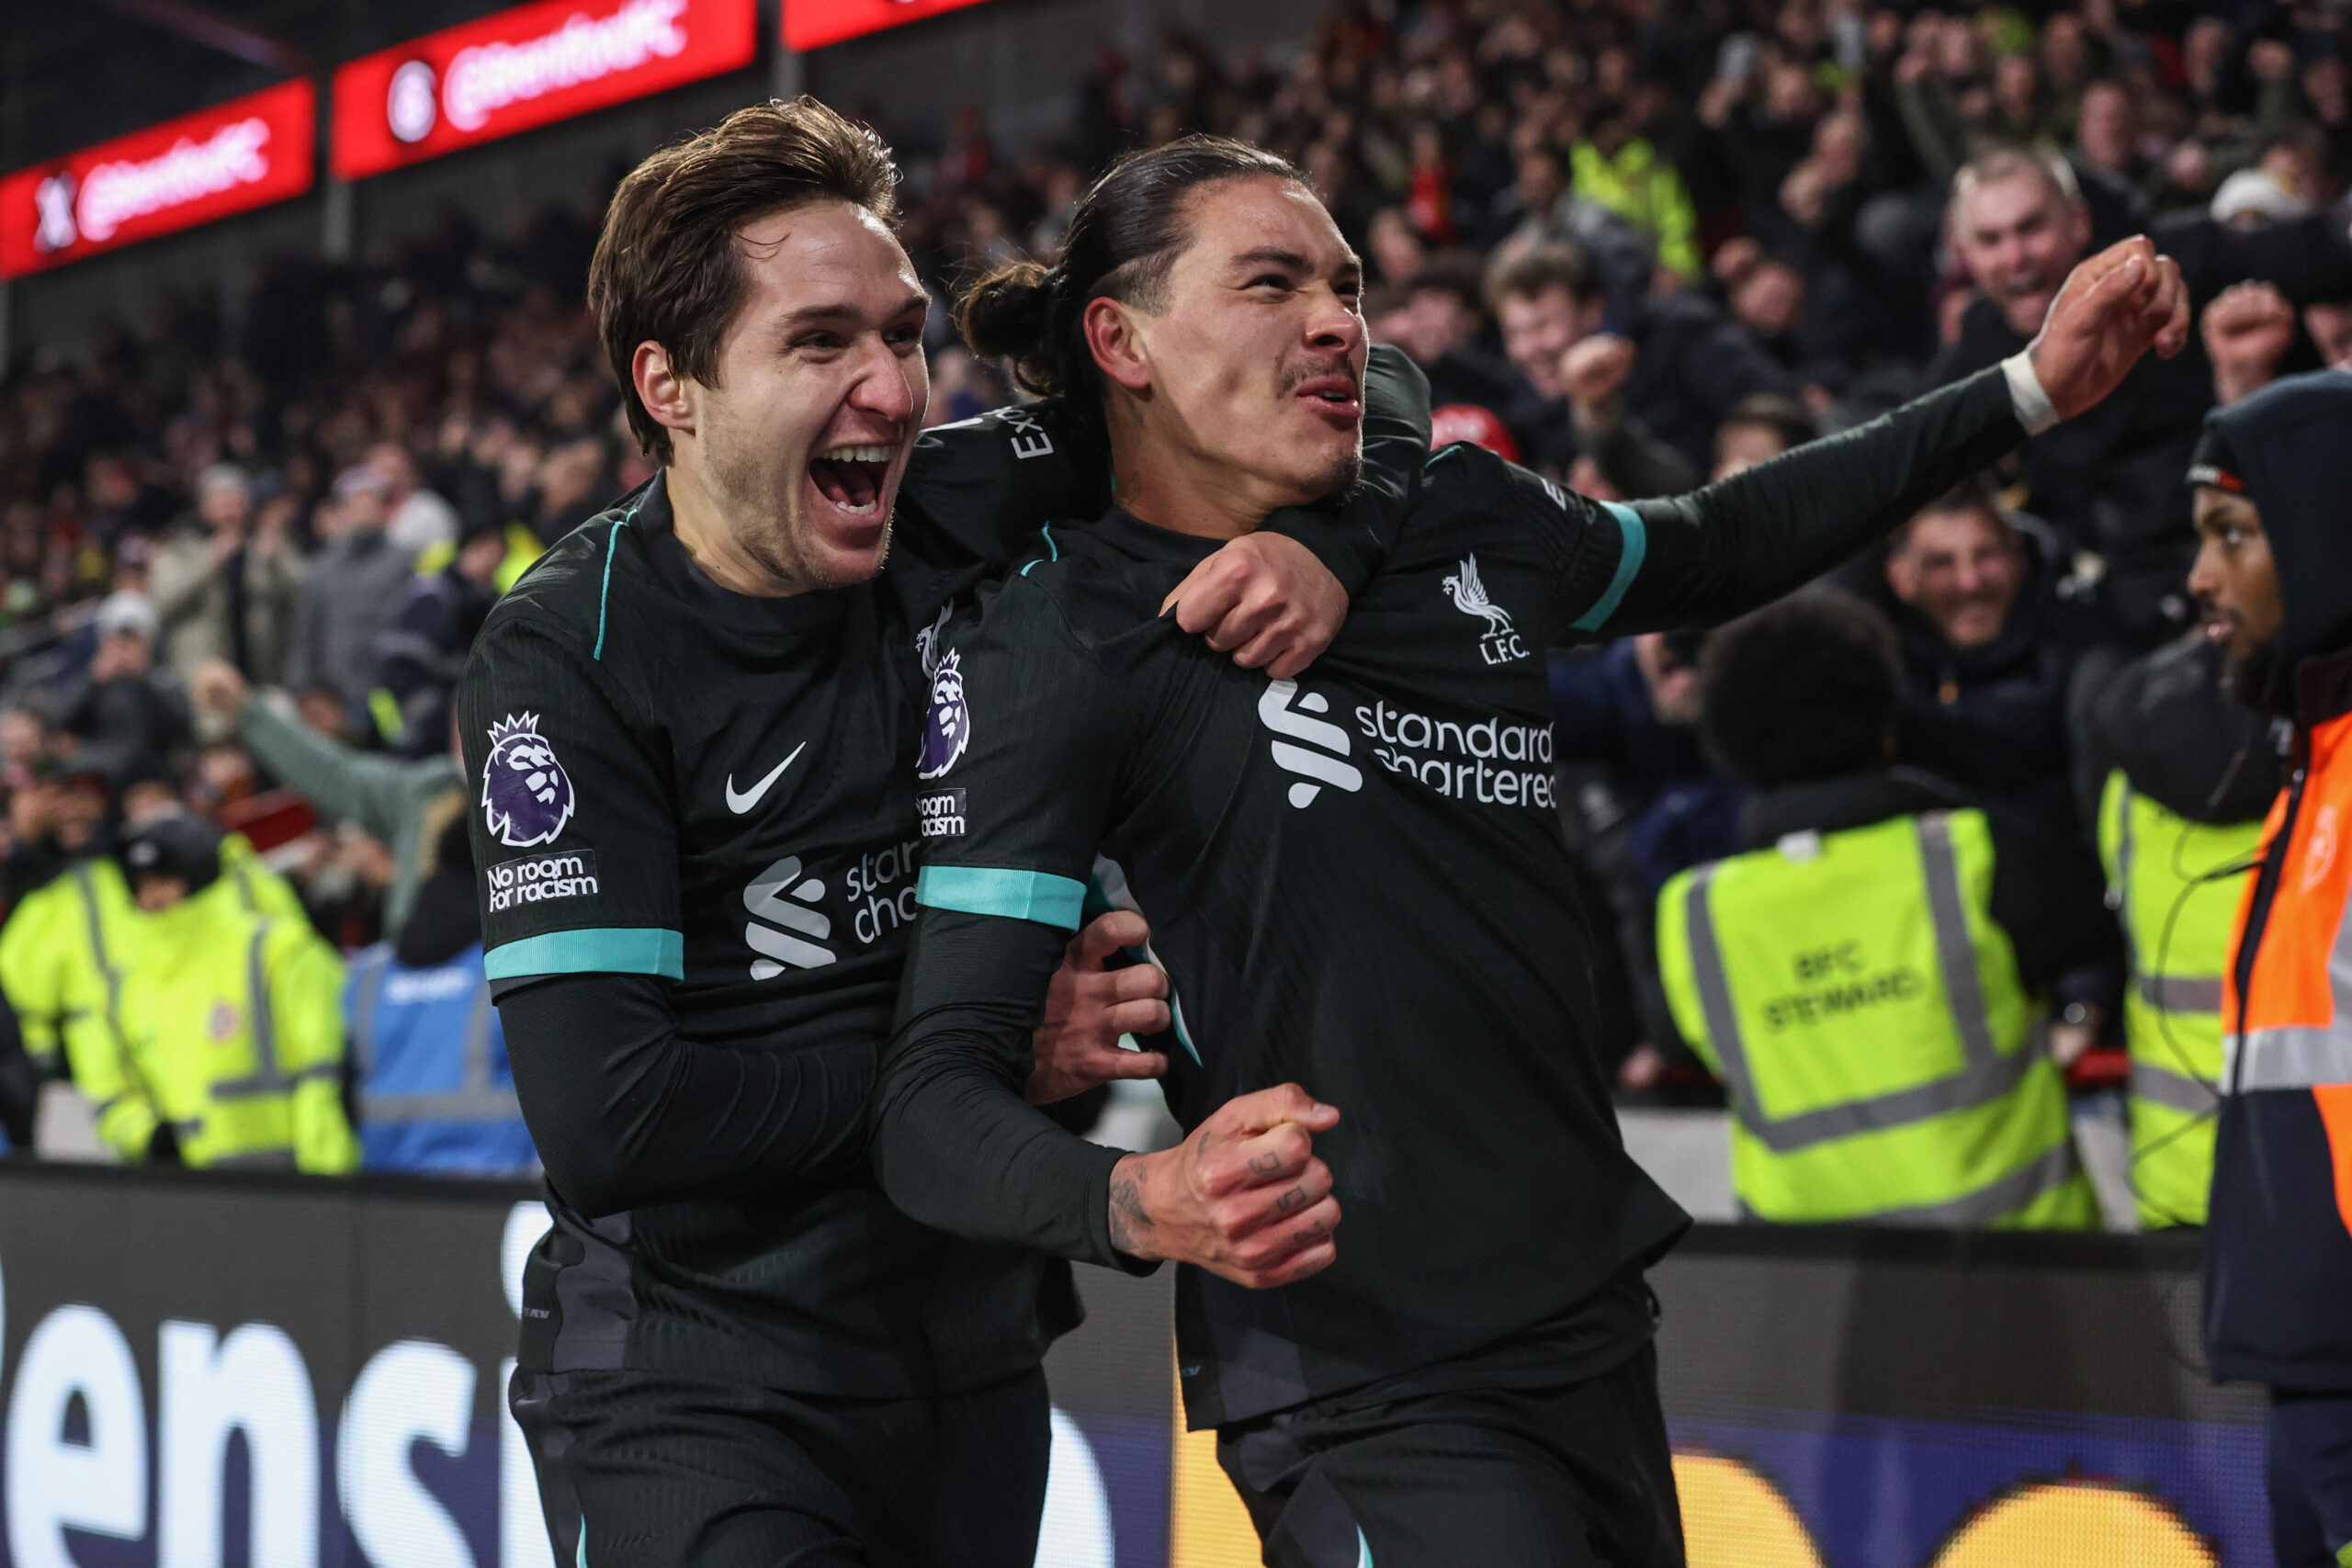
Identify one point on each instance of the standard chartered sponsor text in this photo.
(1492, 760)
(488, 77)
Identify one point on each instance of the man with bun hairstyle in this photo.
(1413, 1302)
(691, 730)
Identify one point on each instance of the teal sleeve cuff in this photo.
(1636, 537)
(601, 950)
(1015, 894)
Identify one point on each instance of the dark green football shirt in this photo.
(1357, 881)
(695, 824)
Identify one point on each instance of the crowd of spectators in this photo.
(1636, 246)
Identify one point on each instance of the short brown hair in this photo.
(666, 268)
(1534, 273)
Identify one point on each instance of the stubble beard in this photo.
(768, 516)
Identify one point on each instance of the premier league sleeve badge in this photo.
(525, 794)
(947, 729)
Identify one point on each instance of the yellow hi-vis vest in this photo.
(236, 1019)
(2179, 920)
(63, 954)
(1863, 1009)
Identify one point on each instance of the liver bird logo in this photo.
(1470, 598)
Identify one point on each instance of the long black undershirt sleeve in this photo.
(955, 1144)
(627, 1113)
(1726, 549)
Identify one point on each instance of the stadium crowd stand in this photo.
(1635, 245)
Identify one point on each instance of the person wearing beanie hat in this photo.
(2274, 579)
(231, 1017)
(127, 719)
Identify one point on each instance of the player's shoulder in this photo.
(570, 594)
(1074, 587)
(1466, 488)
(565, 590)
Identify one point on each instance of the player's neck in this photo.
(1177, 490)
(703, 530)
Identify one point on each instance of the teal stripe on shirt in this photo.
(1636, 545)
(601, 949)
(1016, 894)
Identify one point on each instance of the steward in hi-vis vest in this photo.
(62, 956)
(2274, 576)
(2184, 774)
(230, 1015)
(1865, 976)
(436, 1092)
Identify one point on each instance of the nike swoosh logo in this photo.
(740, 804)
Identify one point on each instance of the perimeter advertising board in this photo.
(812, 24)
(302, 1373)
(245, 154)
(529, 66)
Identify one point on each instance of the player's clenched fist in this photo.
(2113, 308)
(1244, 1197)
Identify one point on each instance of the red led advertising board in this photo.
(812, 24)
(529, 66)
(245, 154)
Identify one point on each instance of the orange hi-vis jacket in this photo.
(2279, 1249)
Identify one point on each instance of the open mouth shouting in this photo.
(851, 477)
(1336, 398)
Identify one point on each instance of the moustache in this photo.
(1300, 375)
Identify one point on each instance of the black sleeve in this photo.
(570, 813)
(979, 489)
(626, 1113)
(1702, 559)
(955, 1145)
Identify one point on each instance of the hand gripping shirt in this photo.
(694, 815)
(1356, 880)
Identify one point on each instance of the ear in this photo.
(1114, 337)
(667, 396)
(1899, 575)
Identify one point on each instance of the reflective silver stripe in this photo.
(2123, 848)
(1955, 949)
(2290, 1057)
(363, 1013)
(2165, 993)
(2178, 1090)
(2181, 993)
(1995, 1200)
(267, 1077)
(131, 1074)
(476, 1100)
(1989, 1075)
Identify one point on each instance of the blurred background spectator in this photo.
(1634, 248)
